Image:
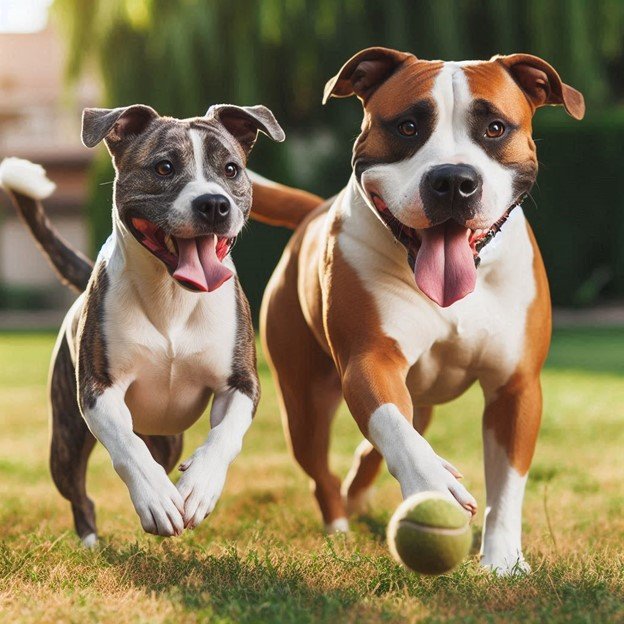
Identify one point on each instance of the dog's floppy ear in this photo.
(244, 123)
(364, 72)
(542, 84)
(115, 124)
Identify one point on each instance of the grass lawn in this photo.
(262, 556)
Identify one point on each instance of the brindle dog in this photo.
(162, 324)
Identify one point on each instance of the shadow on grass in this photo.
(279, 587)
(233, 587)
(338, 583)
(376, 525)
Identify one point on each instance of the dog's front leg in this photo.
(205, 471)
(155, 498)
(375, 390)
(510, 426)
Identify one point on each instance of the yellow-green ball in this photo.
(429, 534)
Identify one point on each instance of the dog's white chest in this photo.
(172, 386)
(174, 361)
(481, 336)
(459, 350)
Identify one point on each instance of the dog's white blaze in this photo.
(498, 190)
(449, 143)
(501, 548)
(198, 154)
(198, 186)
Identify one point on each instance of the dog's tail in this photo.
(27, 184)
(277, 204)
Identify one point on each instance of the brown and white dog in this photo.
(162, 325)
(396, 295)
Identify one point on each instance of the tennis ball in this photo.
(429, 534)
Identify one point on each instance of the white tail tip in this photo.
(25, 177)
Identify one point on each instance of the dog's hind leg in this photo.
(309, 397)
(71, 444)
(309, 391)
(422, 418)
(165, 449)
(356, 488)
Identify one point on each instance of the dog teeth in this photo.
(169, 244)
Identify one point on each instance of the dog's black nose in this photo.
(214, 207)
(454, 180)
(451, 191)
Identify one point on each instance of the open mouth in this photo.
(444, 257)
(195, 263)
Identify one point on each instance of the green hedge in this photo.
(579, 213)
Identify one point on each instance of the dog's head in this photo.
(181, 188)
(446, 151)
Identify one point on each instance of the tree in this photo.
(181, 56)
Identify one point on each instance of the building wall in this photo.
(29, 268)
(40, 121)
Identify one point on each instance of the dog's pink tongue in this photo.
(198, 264)
(445, 270)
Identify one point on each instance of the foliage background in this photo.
(180, 56)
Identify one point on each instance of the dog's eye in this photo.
(408, 128)
(495, 129)
(164, 168)
(231, 170)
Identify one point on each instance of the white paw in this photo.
(455, 488)
(90, 541)
(157, 501)
(201, 484)
(431, 472)
(339, 525)
(25, 177)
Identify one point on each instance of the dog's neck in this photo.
(360, 221)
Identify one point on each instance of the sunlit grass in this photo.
(262, 557)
